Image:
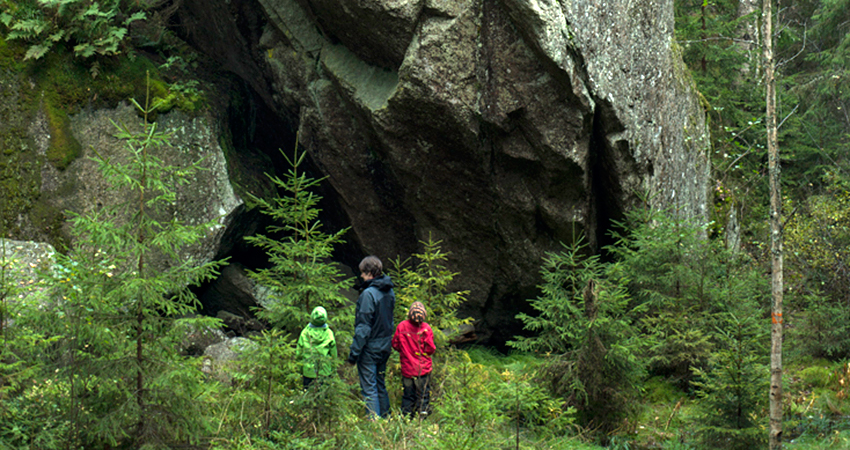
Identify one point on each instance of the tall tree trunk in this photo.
(775, 429)
(748, 38)
(702, 62)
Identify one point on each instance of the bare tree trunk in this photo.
(775, 429)
(748, 37)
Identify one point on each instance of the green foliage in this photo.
(428, 281)
(185, 93)
(267, 400)
(585, 320)
(684, 281)
(811, 43)
(523, 399)
(33, 419)
(815, 140)
(301, 275)
(724, 63)
(125, 305)
(30, 413)
(823, 327)
(816, 242)
(92, 28)
(819, 437)
(817, 396)
(733, 389)
(465, 403)
(266, 374)
(703, 313)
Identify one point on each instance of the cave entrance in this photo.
(259, 139)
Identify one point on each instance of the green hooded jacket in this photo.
(317, 346)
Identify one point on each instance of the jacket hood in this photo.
(383, 283)
(319, 317)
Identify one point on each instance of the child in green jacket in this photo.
(316, 349)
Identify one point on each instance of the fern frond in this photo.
(30, 27)
(140, 15)
(36, 51)
(85, 50)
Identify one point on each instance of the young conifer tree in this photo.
(126, 304)
(300, 277)
(585, 324)
(428, 281)
(732, 388)
(301, 274)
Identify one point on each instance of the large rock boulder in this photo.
(208, 198)
(501, 128)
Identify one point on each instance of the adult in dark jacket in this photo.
(373, 332)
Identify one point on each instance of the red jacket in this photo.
(415, 345)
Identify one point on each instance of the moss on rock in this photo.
(19, 175)
(37, 99)
(64, 147)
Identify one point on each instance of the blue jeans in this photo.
(374, 388)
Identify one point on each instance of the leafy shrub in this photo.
(34, 418)
(817, 243)
(91, 27)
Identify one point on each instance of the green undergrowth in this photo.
(816, 411)
(484, 399)
(480, 399)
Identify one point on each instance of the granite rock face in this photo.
(501, 128)
(208, 198)
(38, 193)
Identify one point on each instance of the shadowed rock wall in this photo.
(500, 127)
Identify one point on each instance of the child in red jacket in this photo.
(414, 341)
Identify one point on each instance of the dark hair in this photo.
(372, 265)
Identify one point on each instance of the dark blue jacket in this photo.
(373, 322)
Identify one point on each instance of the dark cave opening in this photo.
(261, 138)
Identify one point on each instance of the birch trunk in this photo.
(775, 428)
